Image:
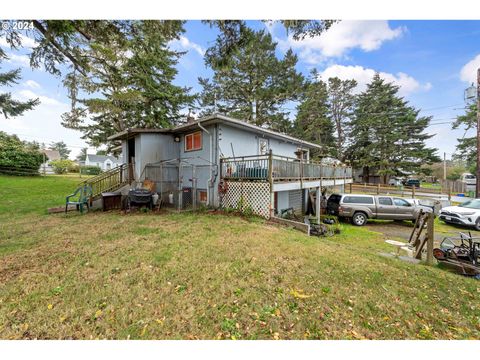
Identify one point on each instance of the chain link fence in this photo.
(181, 184)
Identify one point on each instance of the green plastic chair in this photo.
(82, 196)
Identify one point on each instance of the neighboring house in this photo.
(222, 161)
(46, 167)
(104, 162)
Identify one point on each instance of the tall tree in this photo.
(312, 122)
(341, 101)
(235, 35)
(10, 107)
(62, 149)
(82, 155)
(387, 133)
(119, 73)
(129, 83)
(255, 84)
(466, 149)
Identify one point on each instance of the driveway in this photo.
(401, 230)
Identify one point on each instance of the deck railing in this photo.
(110, 180)
(280, 168)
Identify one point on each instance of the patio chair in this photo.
(82, 196)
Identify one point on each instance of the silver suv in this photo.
(359, 208)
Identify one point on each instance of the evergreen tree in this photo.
(129, 83)
(466, 149)
(387, 133)
(9, 106)
(83, 154)
(62, 148)
(341, 101)
(313, 122)
(254, 85)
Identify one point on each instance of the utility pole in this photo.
(478, 135)
(444, 166)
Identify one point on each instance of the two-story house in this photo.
(225, 162)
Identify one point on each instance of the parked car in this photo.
(467, 214)
(359, 208)
(394, 182)
(412, 182)
(468, 179)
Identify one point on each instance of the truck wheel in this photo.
(477, 224)
(359, 219)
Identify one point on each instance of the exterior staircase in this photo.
(110, 180)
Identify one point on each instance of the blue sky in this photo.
(432, 62)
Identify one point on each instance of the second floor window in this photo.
(193, 141)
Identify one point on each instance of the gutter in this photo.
(211, 179)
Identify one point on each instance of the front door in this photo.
(404, 209)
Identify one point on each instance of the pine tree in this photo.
(62, 149)
(129, 83)
(254, 85)
(341, 101)
(466, 149)
(10, 107)
(313, 122)
(387, 133)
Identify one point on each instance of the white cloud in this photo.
(363, 76)
(32, 84)
(29, 94)
(367, 35)
(469, 70)
(185, 44)
(27, 42)
(22, 60)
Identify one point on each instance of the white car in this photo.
(467, 214)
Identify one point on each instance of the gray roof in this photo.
(102, 158)
(51, 154)
(213, 119)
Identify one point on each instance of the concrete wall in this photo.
(246, 143)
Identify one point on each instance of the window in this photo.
(262, 146)
(202, 196)
(385, 201)
(302, 154)
(401, 202)
(358, 200)
(193, 141)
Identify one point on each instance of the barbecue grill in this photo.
(139, 197)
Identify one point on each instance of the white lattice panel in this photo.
(255, 195)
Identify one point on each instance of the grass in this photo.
(199, 275)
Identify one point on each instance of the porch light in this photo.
(176, 139)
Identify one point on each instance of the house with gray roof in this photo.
(46, 166)
(104, 162)
(220, 161)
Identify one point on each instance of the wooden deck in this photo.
(274, 168)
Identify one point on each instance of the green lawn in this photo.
(199, 275)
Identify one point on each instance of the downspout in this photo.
(211, 179)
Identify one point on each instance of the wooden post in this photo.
(318, 208)
(378, 189)
(430, 238)
(270, 180)
(350, 187)
(413, 192)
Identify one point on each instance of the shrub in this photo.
(18, 157)
(62, 166)
(90, 170)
